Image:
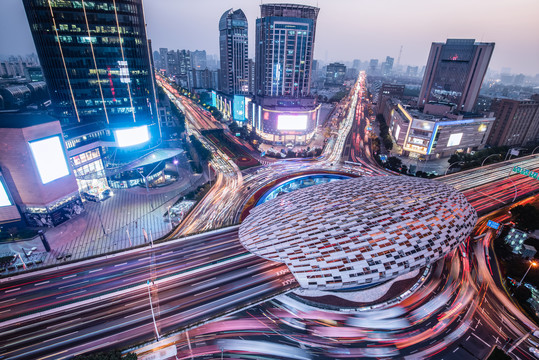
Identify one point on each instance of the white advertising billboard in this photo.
(292, 122)
(50, 158)
(4, 199)
(454, 139)
(132, 136)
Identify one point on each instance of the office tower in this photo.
(96, 61)
(172, 65)
(157, 59)
(163, 52)
(335, 74)
(233, 46)
(198, 60)
(412, 71)
(387, 66)
(183, 73)
(284, 49)
(284, 110)
(517, 122)
(373, 65)
(356, 64)
(455, 72)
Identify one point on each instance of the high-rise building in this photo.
(517, 122)
(387, 66)
(284, 112)
(335, 74)
(173, 65)
(163, 52)
(184, 74)
(233, 45)
(373, 66)
(284, 49)
(198, 60)
(96, 61)
(454, 73)
(412, 71)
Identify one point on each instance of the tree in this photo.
(453, 159)
(522, 293)
(526, 217)
(203, 153)
(394, 163)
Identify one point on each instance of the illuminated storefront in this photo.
(89, 171)
(284, 122)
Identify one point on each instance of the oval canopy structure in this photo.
(361, 231)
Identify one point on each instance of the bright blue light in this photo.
(132, 136)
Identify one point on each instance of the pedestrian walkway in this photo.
(129, 218)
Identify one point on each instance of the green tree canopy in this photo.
(526, 217)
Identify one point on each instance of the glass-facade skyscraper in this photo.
(454, 73)
(233, 48)
(284, 49)
(96, 60)
(284, 112)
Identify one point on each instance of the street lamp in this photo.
(151, 307)
(488, 157)
(535, 149)
(209, 173)
(456, 162)
(533, 263)
(175, 162)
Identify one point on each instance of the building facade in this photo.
(285, 36)
(335, 74)
(96, 61)
(284, 112)
(36, 175)
(233, 47)
(454, 73)
(427, 136)
(517, 122)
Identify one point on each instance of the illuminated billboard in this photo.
(213, 98)
(454, 139)
(239, 108)
(132, 136)
(4, 199)
(49, 158)
(292, 122)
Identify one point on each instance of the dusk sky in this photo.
(347, 29)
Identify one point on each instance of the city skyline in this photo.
(378, 33)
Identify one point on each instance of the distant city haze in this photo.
(346, 29)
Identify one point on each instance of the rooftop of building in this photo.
(19, 120)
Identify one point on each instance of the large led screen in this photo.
(213, 98)
(4, 199)
(132, 136)
(50, 158)
(239, 108)
(292, 122)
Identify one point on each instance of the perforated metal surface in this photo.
(359, 231)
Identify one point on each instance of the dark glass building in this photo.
(454, 73)
(284, 49)
(233, 48)
(96, 61)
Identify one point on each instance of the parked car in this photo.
(90, 197)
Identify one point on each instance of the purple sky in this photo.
(347, 29)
